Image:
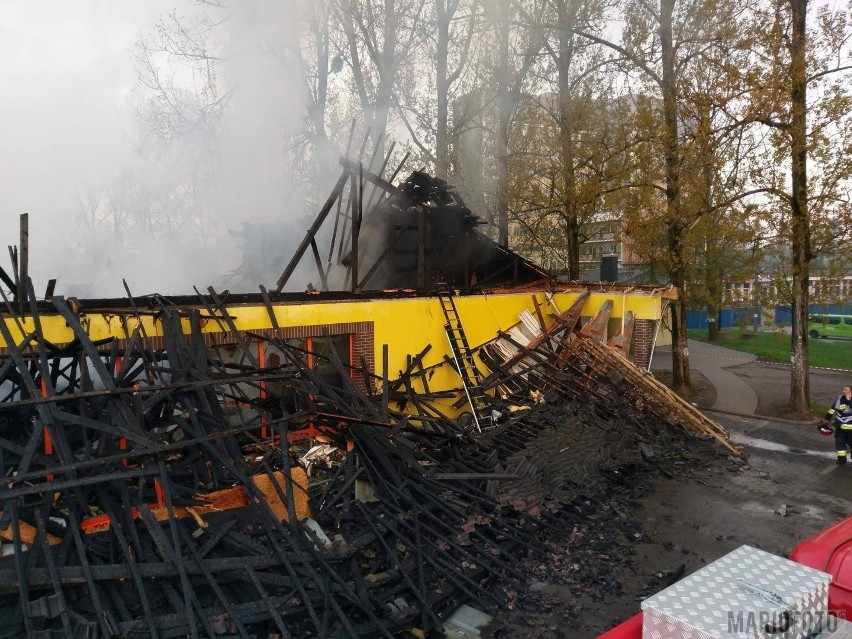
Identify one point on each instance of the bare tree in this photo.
(379, 39)
(181, 70)
(449, 31)
(518, 39)
(569, 54)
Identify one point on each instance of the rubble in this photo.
(177, 486)
(421, 233)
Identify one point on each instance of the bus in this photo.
(826, 325)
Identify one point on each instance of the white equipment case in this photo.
(748, 593)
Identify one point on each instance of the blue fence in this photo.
(728, 317)
(784, 314)
(696, 319)
(736, 317)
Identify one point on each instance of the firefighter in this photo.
(840, 414)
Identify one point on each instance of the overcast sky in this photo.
(68, 123)
(66, 113)
(66, 82)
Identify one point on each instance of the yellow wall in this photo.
(664, 335)
(407, 326)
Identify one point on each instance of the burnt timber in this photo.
(263, 465)
(421, 233)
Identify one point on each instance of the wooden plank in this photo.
(28, 534)
(652, 390)
(542, 324)
(217, 501)
(596, 327)
(530, 324)
(621, 342)
(562, 323)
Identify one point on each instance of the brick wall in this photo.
(362, 341)
(362, 345)
(363, 329)
(643, 342)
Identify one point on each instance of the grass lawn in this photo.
(775, 347)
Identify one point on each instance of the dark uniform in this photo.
(840, 414)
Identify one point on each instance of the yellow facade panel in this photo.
(406, 325)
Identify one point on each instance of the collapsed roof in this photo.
(165, 492)
(168, 484)
(409, 237)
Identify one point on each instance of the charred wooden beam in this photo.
(421, 249)
(357, 214)
(9, 282)
(372, 178)
(312, 231)
(24, 259)
(320, 269)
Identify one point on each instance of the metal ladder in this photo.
(469, 373)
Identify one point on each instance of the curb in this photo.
(818, 368)
(795, 422)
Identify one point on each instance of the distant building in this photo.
(474, 123)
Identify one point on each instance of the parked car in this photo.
(829, 325)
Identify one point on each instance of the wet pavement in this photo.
(787, 462)
(782, 490)
(771, 383)
(785, 488)
(714, 363)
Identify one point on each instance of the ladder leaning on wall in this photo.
(463, 357)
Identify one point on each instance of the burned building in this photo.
(348, 463)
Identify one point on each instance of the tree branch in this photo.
(624, 52)
(826, 72)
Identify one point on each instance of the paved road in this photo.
(732, 393)
(785, 488)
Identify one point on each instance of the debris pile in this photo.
(179, 483)
(574, 362)
(163, 491)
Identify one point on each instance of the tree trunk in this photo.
(572, 244)
(442, 145)
(714, 294)
(566, 139)
(387, 73)
(681, 381)
(800, 225)
(712, 322)
(318, 108)
(503, 181)
(504, 114)
(675, 229)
